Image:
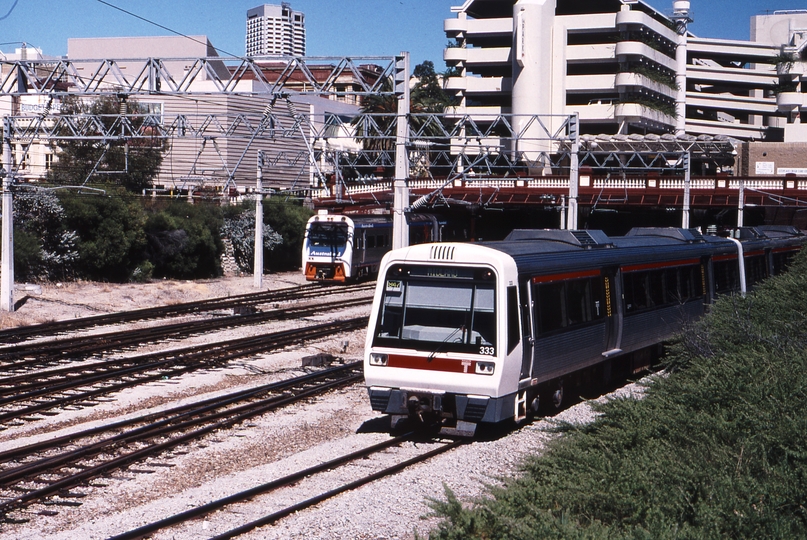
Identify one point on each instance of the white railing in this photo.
(598, 183)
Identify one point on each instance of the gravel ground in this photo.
(268, 447)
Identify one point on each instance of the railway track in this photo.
(293, 479)
(15, 335)
(25, 356)
(23, 397)
(46, 472)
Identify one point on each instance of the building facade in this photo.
(212, 147)
(626, 68)
(275, 30)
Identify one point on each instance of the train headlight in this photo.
(485, 368)
(378, 359)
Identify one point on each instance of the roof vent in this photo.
(583, 238)
(441, 252)
(684, 235)
(776, 231)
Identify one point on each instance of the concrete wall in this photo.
(763, 158)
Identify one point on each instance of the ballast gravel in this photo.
(265, 448)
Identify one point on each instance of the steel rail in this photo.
(289, 293)
(176, 412)
(155, 366)
(54, 351)
(288, 480)
(188, 429)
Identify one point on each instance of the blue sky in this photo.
(335, 27)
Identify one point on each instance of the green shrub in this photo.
(239, 228)
(183, 240)
(111, 238)
(288, 218)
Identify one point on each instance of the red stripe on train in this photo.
(569, 275)
(665, 264)
(434, 364)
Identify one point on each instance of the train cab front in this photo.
(433, 354)
(327, 249)
(325, 272)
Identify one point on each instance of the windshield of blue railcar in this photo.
(327, 235)
(438, 309)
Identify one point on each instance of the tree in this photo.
(131, 163)
(288, 218)
(239, 228)
(428, 94)
(42, 248)
(183, 240)
(111, 235)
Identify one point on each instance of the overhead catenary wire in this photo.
(10, 11)
(144, 19)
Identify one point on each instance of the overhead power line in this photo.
(159, 26)
(10, 10)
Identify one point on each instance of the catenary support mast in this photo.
(7, 262)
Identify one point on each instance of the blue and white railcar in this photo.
(462, 334)
(340, 248)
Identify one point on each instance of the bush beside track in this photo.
(716, 449)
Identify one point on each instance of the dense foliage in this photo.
(240, 229)
(288, 219)
(111, 235)
(283, 232)
(184, 240)
(715, 450)
(42, 248)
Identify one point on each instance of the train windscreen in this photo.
(438, 310)
(327, 235)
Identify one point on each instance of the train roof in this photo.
(538, 251)
(365, 221)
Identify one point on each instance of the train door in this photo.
(612, 295)
(527, 325)
(360, 245)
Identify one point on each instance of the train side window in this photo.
(781, 261)
(671, 285)
(513, 329)
(726, 276)
(370, 241)
(655, 288)
(578, 300)
(551, 307)
(636, 296)
(569, 303)
(691, 283)
(755, 269)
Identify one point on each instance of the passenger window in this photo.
(551, 307)
(578, 298)
(569, 303)
(655, 288)
(672, 291)
(513, 329)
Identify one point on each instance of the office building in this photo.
(627, 68)
(275, 30)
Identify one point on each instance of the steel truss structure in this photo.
(228, 76)
(449, 143)
(411, 148)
